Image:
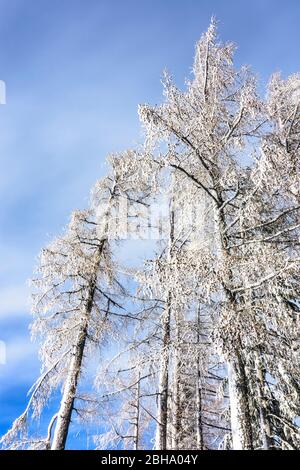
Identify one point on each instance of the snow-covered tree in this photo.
(76, 303)
(218, 126)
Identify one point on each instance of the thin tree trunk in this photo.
(70, 387)
(137, 416)
(265, 429)
(200, 440)
(176, 411)
(163, 389)
(241, 427)
(50, 427)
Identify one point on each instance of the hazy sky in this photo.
(75, 72)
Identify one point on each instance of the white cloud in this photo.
(2, 352)
(14, 301)
(19, 349)
(21, 365)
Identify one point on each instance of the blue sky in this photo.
(75, 72)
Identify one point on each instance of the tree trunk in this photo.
(69, 393)
(70, 387)
(136, 438)
(265, 430)
(176, 409)
(241, 428)
(163, 389)
(200, 443)
(200, 440)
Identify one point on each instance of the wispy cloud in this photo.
(21, 365)
(13, 301)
